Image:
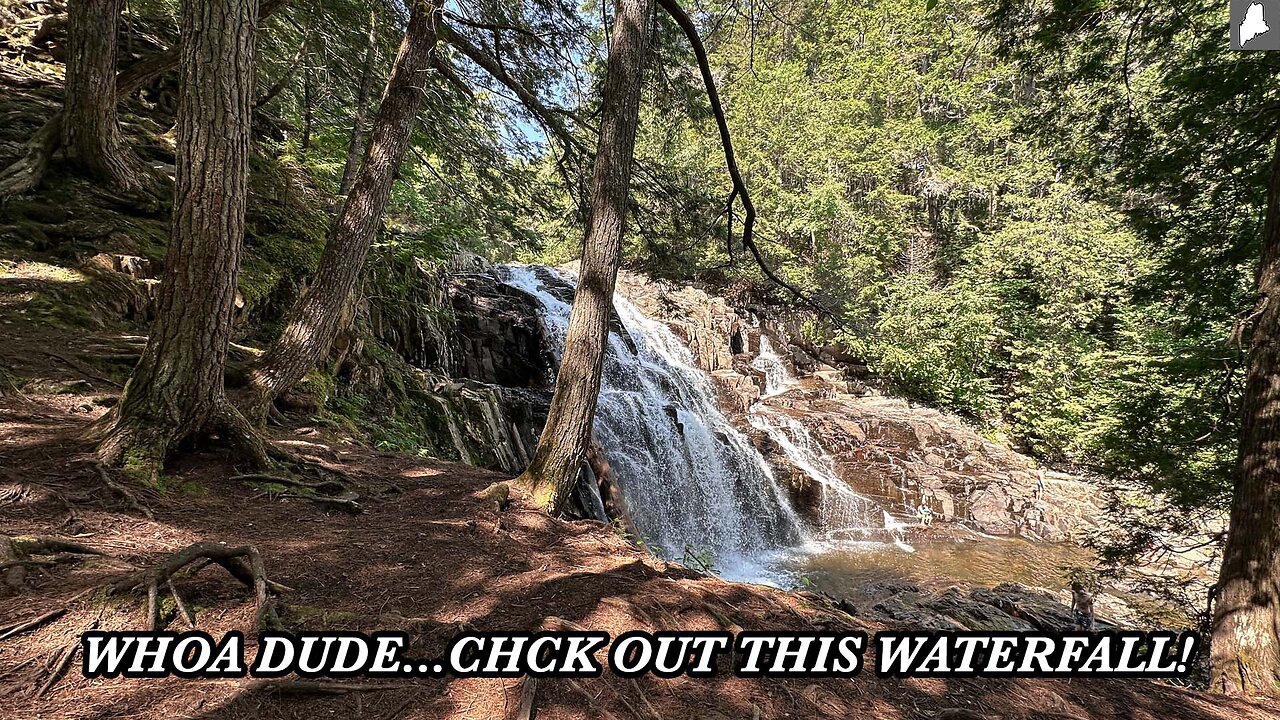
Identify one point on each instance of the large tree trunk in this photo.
(90, 128)
(359, 125)
(26, 172)
(177, 391)
(1245, 655)
(562, 447)
(316, 318)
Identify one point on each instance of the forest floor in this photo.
(428, 554)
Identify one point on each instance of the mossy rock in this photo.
(44, 212)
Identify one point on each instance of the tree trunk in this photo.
(90, 128)
(562, 447)
(1245, 655)
(317, 316)
(28, 170)
(308, 93)
(359, 125)
(177, 391)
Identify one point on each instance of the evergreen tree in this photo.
(177, 390)
(319, 312)
(90, 128)
(562, 448)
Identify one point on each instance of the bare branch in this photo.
(672, 7)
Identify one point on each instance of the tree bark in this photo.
(1245, 654)
(177, 390)
(25, 173)
(359, 125)
(318, 315)
(562, 447)
(90, 127)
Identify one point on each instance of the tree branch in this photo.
(548, 117)
(672, 8)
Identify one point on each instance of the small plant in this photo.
(622, 530)
(696, 557)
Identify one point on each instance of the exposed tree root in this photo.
(330, 489)
(592, 702)
(82, 368)
(21, 627)
(323, 486)
(244, 563)
(18, 554)
(528, 699)
(345, 504)
(130, 498)
(63, 658)
(28, 170)
(26, 625)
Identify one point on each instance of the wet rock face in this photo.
(715, 332)
(900, 455)
(479, 343)
(1006, 607)
(478, 364)
(496, 335)
(467, 326)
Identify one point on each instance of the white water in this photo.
(691, 481)
(844, 515)
(776, 377)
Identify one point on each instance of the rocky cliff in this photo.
(477, 359)
(897, 453)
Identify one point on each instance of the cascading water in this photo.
(776, 377)
(843, 513)
(691, 480)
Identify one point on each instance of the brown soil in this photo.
(428, 555)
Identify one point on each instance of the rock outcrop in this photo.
(480, 361)
(1008, 607)
(469, 353)
(898, 454)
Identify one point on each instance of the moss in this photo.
(141, 464)
(57, 310)
(273, 263)
(172, 485)
(319, 385)
(286, 227)
(27, 233)
(144, 238)
(389, 408)
(47, 213)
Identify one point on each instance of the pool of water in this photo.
(855, 570)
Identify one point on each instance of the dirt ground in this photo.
(429, 554)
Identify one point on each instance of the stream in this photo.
(698, 491)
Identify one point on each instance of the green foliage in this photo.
(885, 148)
(1158, 118)
(699, 558)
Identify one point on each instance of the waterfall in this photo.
(691, 481)
(776, 377)
(843, 513)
